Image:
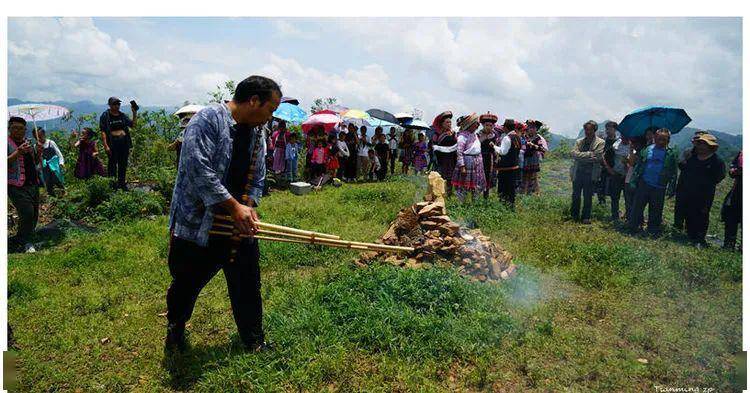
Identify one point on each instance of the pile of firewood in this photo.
(439, 241)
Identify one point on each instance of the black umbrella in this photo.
(290, 100)
(382, 115)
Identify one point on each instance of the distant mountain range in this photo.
(78, 108)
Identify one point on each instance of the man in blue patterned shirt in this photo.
(218, 151)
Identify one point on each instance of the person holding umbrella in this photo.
(115, 128)
(655, 167)
(23, 181)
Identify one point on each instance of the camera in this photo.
(134, 105)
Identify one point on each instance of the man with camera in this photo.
(115, 127)
(23, 181)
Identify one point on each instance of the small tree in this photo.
(322, 103)
(222, 92)
(88, 119)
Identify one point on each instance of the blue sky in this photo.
(563, 71)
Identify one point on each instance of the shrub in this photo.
(131, 204)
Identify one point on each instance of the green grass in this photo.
(587, 303)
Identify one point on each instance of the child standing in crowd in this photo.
(318, 160)
(52, 162)
(363, 148)
(381, 151)
(373, 165)
(332, 165)
(88, 163)
(291, 153)
(420, 154)
(393, 146)
(343, 155)
(352, 143)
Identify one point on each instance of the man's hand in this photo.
(107, 150)
(463, 170)
(245, 219)
(25, 147)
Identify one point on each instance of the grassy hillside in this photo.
(590, 310)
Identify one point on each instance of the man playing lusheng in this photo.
(224, 149)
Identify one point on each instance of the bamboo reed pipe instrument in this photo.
(223, 226)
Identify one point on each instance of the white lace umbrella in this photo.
(40, 112)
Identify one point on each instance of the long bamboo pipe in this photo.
(279, 228)
(326, 242)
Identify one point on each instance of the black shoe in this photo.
(175, 337)
(259, 346)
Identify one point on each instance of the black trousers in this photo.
(117, 165)
(26, 201)
(394, 153)
(654, 198)
(192, 267)
(730, 231)
(506, 186)
(697, 213)
(616, 188)
(601, 187)
(383, 158)
(679, 208)
(582, 185)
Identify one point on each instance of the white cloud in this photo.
(561, 70)
(287, 29)
(364, 88)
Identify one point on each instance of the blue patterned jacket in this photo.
(202, 175)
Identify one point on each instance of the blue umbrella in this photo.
(637, 122)
(290, 113)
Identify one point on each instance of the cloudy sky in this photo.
(562, 71)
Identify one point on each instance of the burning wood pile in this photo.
(437, 240)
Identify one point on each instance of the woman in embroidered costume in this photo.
(536, 146)
(468, 176)
(444, 143)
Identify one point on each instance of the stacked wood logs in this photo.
(437, 240)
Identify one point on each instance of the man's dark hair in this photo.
(16, 119)
(40, 130)
(256, 85)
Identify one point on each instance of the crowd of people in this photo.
(642, 170)
(474, 154)
(39, 162)
(472, 161)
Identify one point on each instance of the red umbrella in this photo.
(329, 121)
